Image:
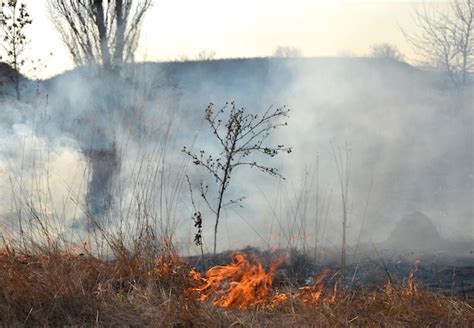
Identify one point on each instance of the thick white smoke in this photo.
(410, 138)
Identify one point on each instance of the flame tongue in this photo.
(244, 284)
(240, 284)
(411, 287)
(312, 293)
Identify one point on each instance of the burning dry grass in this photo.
(53, 288)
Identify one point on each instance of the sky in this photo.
(246, 28)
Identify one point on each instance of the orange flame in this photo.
(240, 284)
(388, 288)
(243, 284)
(194, 275)
(411, 287)
(167, 266)
(279, 298)
(332, 298)
(312, 293)
(373, 296)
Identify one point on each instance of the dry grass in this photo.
(54, 288)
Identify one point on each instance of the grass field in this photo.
(52, 288)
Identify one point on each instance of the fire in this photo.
(312, 293)
(373, 296)
(166, 266)
(243, 284)
(279, 298)
(388, 288)
(332, 298)
(194, 275)
(411, 287)
(240, 284)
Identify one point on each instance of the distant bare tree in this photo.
(386, 51)
(181, 58)
(14, 18)
(101, 32)
(205, 55)
(446, 40)
(287, 52)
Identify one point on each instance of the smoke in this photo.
(39, 176)
(410, 140)
(409, 137)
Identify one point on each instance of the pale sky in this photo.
(245, 28)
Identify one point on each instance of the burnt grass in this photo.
(51, 288)
(451, 277)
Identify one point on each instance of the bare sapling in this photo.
(239, 136)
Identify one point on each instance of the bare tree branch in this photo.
(99, 32)
(445, 39)
(239, 136)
